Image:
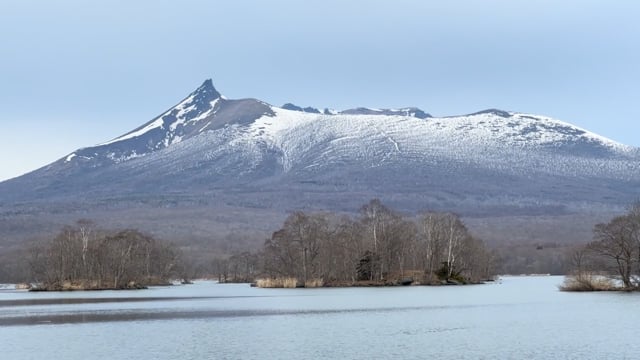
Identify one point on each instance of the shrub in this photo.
(587, 282)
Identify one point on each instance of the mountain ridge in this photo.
(209, 153)
(204, 102)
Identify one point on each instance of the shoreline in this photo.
(317, 284)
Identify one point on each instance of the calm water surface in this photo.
(515, 318)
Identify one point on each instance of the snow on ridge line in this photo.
(284, 119)
(481, 132)
(180, 119)
(182, 108)
(158, 123)
(586, 133)
(73, 156)
(464, 128)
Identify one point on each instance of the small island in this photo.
(84, 258)
(611, 262)
(379, 247)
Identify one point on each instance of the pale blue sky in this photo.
(76, 73)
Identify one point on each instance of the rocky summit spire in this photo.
(206, 92)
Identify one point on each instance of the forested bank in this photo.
(378, 247)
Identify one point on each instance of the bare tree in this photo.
(430, 243)
(380, 246)
(617, 242)
(448, 251)
(390, 237)
(293, 250)
(82, 257)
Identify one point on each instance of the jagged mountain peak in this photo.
(257, 124)
(206, 92)
(204, 109)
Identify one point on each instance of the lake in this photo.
(514, 318)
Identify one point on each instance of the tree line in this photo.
(379, 246)
(83, 257)
(611, 261)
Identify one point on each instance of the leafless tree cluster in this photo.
(380, 246)
(614, 251)
(83, 257)
(241, 267)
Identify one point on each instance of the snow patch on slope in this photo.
(520, 143)
(564, 131)
(182, 119)
(369, 137)
(158, 123)
(187, 112)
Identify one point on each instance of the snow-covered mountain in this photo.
(253, 128)
(210, 151)
(203, 110)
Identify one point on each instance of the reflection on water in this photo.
(516, 318)
(59, 301)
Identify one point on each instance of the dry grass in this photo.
(314, 283)
(277, 283)
(287, 283)
(588, 282)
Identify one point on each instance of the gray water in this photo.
(514, 318)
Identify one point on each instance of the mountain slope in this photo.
(203, 110)
(210, 152)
